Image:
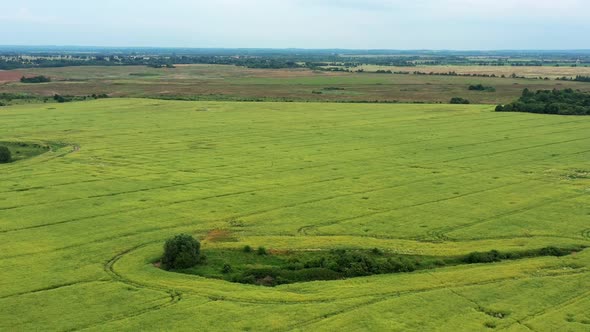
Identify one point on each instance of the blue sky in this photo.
(362, 24)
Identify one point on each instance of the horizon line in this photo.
(300, 48)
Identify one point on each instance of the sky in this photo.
(348, 24)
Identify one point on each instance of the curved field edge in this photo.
(135, 267)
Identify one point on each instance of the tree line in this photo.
(563, 102)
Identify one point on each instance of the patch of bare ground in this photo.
(10, 76)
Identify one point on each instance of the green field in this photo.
(82, 224)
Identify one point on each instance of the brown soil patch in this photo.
(10, 76)
(220, 235)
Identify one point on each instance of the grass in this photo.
(230, 83)
(81, 227)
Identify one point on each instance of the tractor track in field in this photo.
(185, 201)
(442, 233)
(51, 288)
(454, 122)
(213, 167)
(397, 294)
(376, 147)
(542, 312)
(221, 195)
(300, 231)
(302, 134)
(304, 229)
(128, 315)
(286, 170)
(311, 321)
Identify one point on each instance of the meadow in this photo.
(82, 224)
(233, 83)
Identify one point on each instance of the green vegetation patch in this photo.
(563, 102)
(459, 101)
(481, 87)
(35, 79)
(23, 150)
(144, 74)
(274, 267)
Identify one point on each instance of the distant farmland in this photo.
(82, 224)
(526, 71)
(232, 83)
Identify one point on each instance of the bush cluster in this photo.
(35, 79)
(480, 87)
(5, 155)
(564, 102)
(337, 264)
(459, 100)
(496, 256)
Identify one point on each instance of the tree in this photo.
(59, 98)
(5, 155)
(181, 252)
(459, 100)
(564, 102)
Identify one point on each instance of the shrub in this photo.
(59, 99)
(181, 252)
(480, 87)
(553, 251)
(484, 257)
(5, 155)
(490, 325)
(247, 248)
(459, 100)
(377, 251)
(226, 268)
(35, 79)
(261, 251)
